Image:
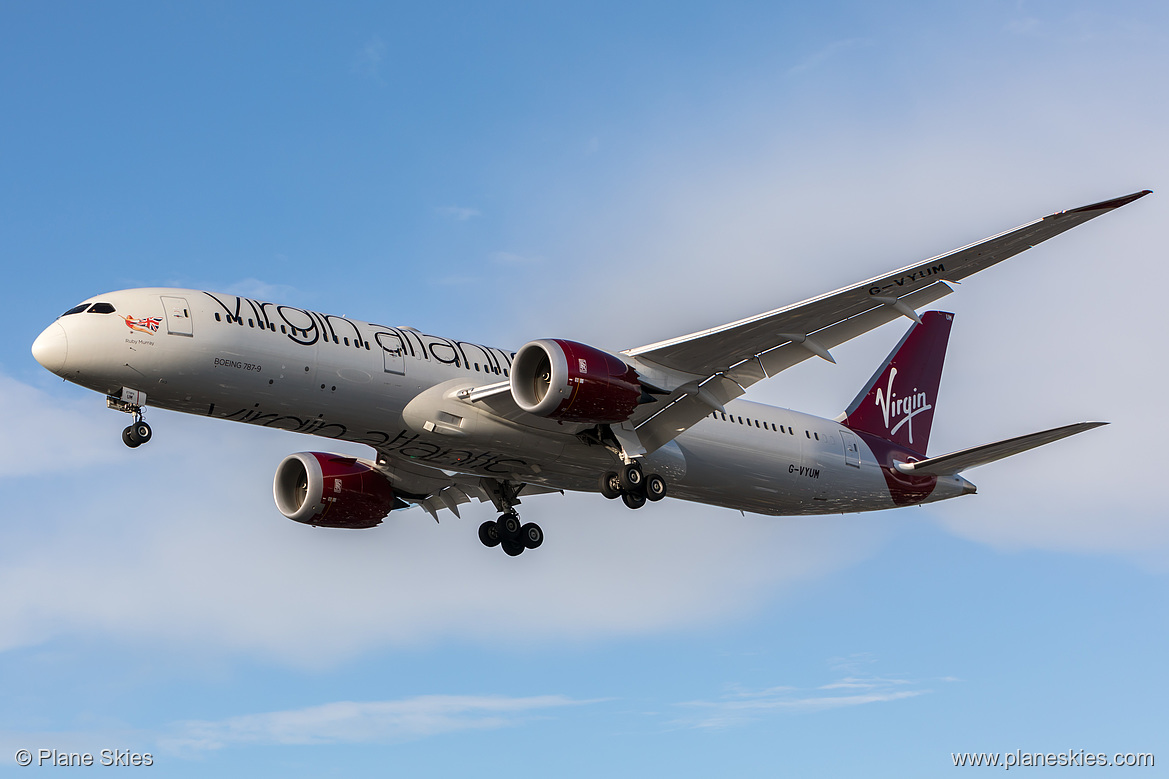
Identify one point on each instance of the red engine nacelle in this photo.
(331, 490)
(573, 382)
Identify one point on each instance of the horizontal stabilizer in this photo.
(956, 462)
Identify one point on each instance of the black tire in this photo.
(142, 432)
(632, 477)
(531, 535)
(512, 548)
(129, 439)
(509, 526)
(633, 500)
(489, 533)
(655, 487)
(611, 485)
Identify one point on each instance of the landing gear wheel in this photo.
(512, 548)
(129, 439)
(631, 477)
(611, 485)
(489, 533)
(633, 500)
(509, 527)
(531, 535)
(141, 431)
(655, 487)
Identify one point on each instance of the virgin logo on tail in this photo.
(916, 362)
(907, 407)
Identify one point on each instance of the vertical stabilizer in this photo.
(898, 402)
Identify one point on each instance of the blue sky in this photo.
(616, 175)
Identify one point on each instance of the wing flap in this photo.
(956, 462)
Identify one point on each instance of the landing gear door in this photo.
(852, 453)
(178, 316)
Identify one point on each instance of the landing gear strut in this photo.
(632, 486)
(507, 531)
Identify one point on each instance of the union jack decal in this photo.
(147, 325)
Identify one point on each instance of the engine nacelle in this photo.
(573, 382)
(331, 490)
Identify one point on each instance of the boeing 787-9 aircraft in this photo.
(450, 421)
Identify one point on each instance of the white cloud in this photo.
(459, 213)
(44, 433)
(510, 258)
(368, 60)
(456, 281)
(263, 290)
(372, 722)
(832, 50)
(185, 550)
(740, 707)
(341, 722)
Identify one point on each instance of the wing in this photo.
(706, 369)
(435, 489)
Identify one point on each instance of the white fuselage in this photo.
(389, 388)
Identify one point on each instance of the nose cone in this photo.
(51, 347)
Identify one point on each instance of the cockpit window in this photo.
(101, 308)
(76, 309)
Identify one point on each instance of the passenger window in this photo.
(101, 308)
(346, 340)
(76, 309)
(251, 323)
(217, 318)
(809, 435)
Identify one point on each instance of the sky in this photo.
(616, 174)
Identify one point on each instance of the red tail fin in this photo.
(898, 402)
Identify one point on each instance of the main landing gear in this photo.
(508, 533)
(632, 486)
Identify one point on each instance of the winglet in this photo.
(1108, 205)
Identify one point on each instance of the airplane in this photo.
(451, 421)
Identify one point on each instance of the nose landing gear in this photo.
(136, 434)
(132, 402)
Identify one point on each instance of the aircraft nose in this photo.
(51, 347)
